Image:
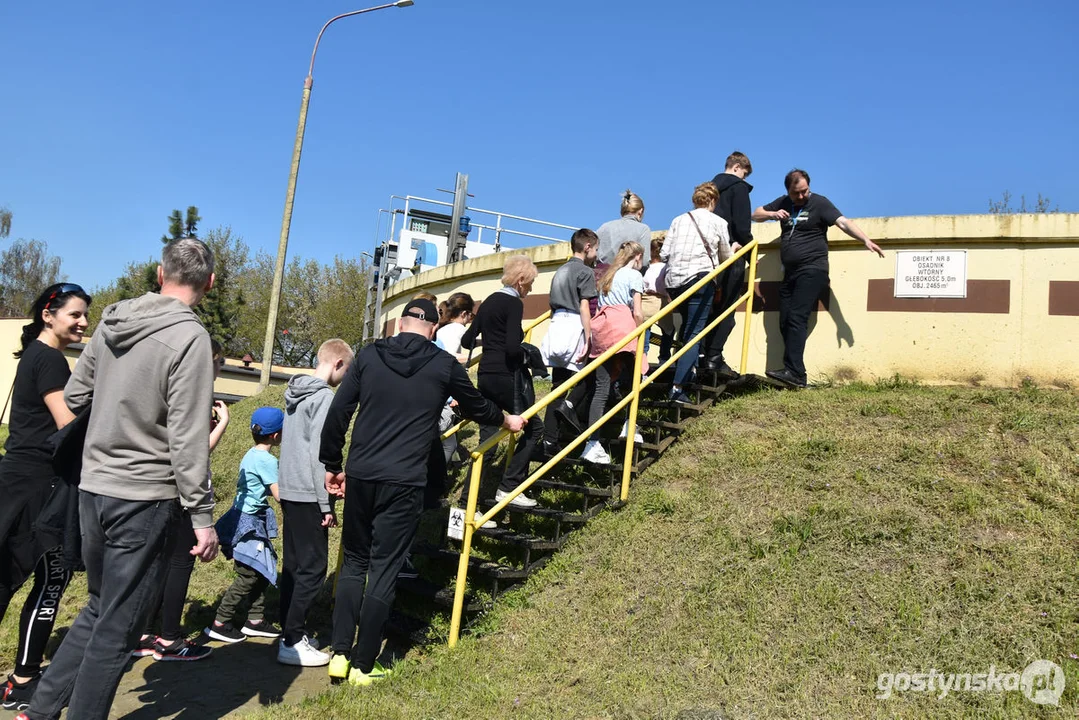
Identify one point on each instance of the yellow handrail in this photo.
(632, 399)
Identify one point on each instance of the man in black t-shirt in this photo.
(804, 219)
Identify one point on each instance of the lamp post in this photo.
(290, 194)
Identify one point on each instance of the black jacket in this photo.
(498, 321)
(733, 206)
(400, 384)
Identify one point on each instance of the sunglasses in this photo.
(63, 289)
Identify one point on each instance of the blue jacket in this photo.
(246, 539)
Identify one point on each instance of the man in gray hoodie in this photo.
(305, 503)
(148, 370)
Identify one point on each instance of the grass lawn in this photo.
(789, 549)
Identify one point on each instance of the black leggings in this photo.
(39, 611)
(177, 579)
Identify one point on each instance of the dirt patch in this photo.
(236, 680)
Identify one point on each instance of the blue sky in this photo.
(115, 113)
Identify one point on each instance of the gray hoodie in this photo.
(149, 371)
(301, 477)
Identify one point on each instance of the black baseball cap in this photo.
(421, 309)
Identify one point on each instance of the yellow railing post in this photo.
(631, 419)
(751, 284)
(466, 548)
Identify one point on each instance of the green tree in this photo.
(26, 268)
(342, 300)
(318, 302)
(5, 222)
(138, 279)
(181, 225)
(222, 307)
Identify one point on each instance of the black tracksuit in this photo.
(400, 385)
(733, 206)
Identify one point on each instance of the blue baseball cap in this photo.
(267, 420)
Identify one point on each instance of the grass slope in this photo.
(787, 550)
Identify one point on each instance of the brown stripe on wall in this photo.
(536, 305)
(983, 296)
(766, 298)
(1064, 297)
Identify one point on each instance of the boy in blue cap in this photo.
(246, 531)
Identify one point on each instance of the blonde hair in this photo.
(631, 203)
(424, 295)
(335, 349)
(705, 194)
(518, 268)
(627, 252)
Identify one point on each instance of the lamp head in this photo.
(403, 3)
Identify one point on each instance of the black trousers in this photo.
(177, 579)
(499, 390)
(39, 611)
(305, 550)
(24, 488)
(126, 541)
(379, 524)
(577, 396)
(798, 297)
(732, 283)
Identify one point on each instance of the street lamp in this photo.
(290, 194)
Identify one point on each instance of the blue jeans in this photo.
(695, 313)
(125, 541)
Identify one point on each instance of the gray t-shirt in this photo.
(572, 283)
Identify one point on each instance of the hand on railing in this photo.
(514, 423)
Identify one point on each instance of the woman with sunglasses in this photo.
(58, 319)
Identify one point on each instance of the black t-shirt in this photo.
(804, 241)
(42, 369)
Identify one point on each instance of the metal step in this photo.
(532, 542)
(561, 516)
(573, 487)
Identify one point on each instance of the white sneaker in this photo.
(637, 439)
(302, 654)
(489, 525)
(594, 453)
(521, 501)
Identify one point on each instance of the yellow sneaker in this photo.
(362, 679)
(339, 668)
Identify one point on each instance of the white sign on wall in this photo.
(931, 273)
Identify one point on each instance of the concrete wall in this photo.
(235, 381)
(1020, 317)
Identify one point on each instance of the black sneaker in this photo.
(145, 648)
(225, 633)
(181, 650)
(16, 695)
(260, 628)
(786, 377)
(677, 396)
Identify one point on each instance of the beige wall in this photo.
(235, 379)
(955, 341)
